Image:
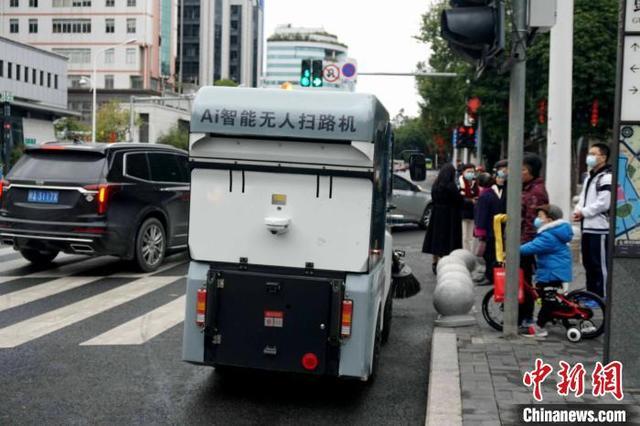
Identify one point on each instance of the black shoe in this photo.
(434, 268)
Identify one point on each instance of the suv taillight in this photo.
(3, 185)
(104, 191)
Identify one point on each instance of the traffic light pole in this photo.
(514, 189)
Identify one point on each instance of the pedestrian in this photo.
(550, 246)
(444, 233)
(534, 194)
(486, 208)
(500, 186)
(469, 191)
(592, 212)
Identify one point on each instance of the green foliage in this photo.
(410, 134)
(112, 123)
(70, 125)
(177, 136)
(225, 82)
(443, 100)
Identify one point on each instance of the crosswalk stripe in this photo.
(143, 328)
(33, 328)
(40, 291)
(51, 288)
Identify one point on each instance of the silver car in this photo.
(410, 203)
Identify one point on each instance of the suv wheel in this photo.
(150, 245)
(37, 257)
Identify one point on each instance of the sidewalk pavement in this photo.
(490, 371)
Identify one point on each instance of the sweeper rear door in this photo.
(273, 322)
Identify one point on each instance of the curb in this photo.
(444, 401)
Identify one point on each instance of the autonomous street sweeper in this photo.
(290, 254)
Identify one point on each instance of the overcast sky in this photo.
(379, 35)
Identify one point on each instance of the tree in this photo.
(443, 100)
(410, 134)
(112, 123)
(225, 82)
(70, 127)
(177, 136)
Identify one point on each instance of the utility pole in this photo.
(559, 118)
(514, 189)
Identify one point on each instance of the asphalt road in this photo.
(60, 364)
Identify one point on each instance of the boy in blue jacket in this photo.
(554, 263)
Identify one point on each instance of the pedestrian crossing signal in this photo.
(316, 73)
(305, 73)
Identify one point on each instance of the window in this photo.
(109, 56)
(33, 26)
(14, 3)
(48, 79)
(9, 69)
(165, 168)
(55, 81)
(33, 3)
(71, 3)
(136, 166)
(68, 26)
(26, 74)
(1, 68)
(131, 25)
(108, 81)
(131, 3)
(41, 78)
(75, 56)
(401, 184)
(110, 25)
(136, 82)
(131, 56)
(76, 81)
(110, 3)
(34, 76)
(14, 26)
(60, 166)
(18, 72)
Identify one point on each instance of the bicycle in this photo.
(581, 312)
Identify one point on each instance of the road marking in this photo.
(40, 291)
(33, 328)
(51, 288)
(143, 328)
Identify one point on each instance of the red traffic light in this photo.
(594, 113)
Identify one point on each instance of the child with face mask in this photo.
(553, 256)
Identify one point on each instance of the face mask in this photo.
(502, 174)
(591, 161)
(537, 222)
(469, 176)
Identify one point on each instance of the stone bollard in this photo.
(467, 257)
(453, 296)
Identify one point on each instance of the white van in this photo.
(291, 257)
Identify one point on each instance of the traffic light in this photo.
(474, 29)
(465, 137)
(316, 73)
(305, 73)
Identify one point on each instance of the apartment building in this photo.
(133, 43)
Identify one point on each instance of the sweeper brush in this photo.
(403, 283)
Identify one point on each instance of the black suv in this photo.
(123, 199)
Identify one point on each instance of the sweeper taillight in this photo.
(347, 318)
(201, 306)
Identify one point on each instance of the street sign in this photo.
(631, 80)
(349, 69)
(331, 73)
(632, 23)
(6, 96)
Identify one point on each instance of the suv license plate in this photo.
(46, 197)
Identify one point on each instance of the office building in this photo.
(223, 39)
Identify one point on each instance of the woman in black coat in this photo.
(444, 233)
